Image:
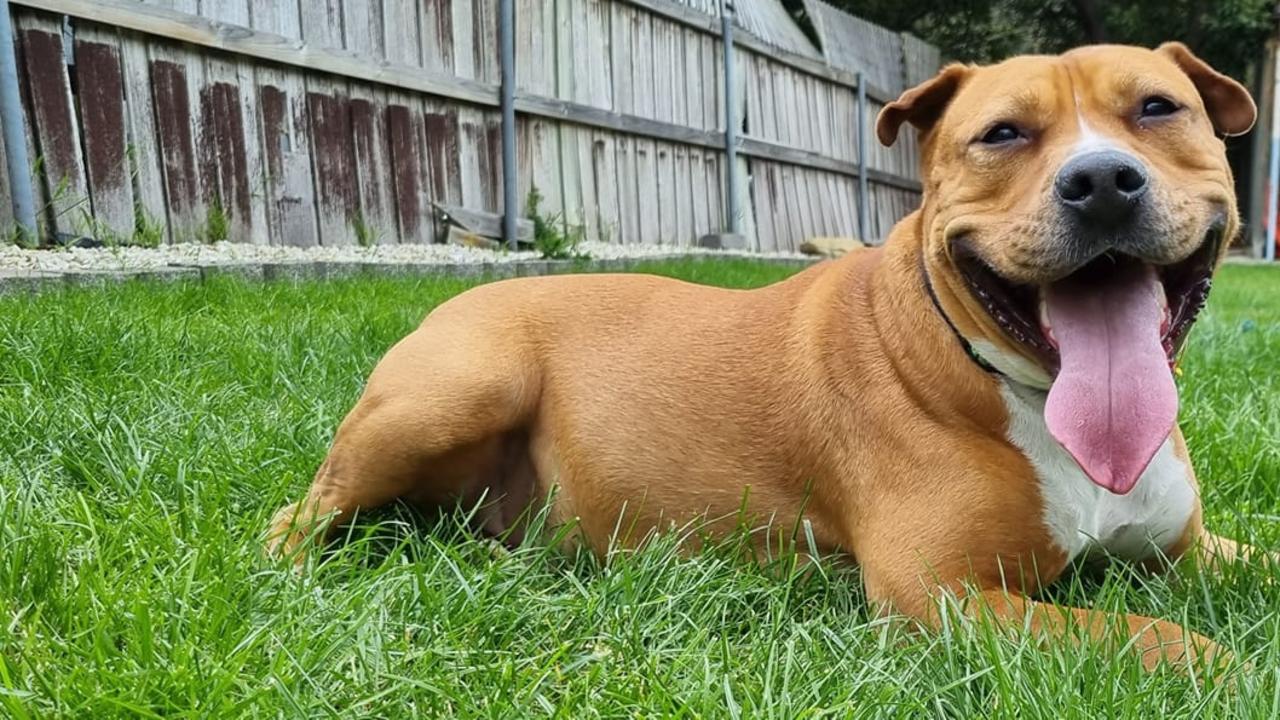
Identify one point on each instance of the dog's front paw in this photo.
(1165, 643)
(1207, 655)
(1197, 655)
(287, 536)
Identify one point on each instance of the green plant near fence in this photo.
(553, 237)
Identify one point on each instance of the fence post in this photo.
(507, 39)
(15, 139)
(1273, 176)
(1269, 253)
(730, 120)
(862, 159)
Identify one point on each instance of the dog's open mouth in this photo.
(1108, 334)
(1021, 311)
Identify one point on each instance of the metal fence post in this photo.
(862, 159)
(730, 120)
(510, 204)
(1273, 176)
(15, 139)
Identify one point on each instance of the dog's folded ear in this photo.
(1230, 108)
(923, 104)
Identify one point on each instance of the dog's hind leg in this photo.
(431, 424)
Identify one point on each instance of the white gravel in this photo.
(135, 258)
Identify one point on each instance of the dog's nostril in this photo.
(1075, 187)
(1129, 180)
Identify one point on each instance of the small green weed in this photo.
(366, 234)
(217, 224)
(148, 232)
(553, 237)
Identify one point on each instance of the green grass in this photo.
(149, 431)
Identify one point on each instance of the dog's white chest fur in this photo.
(1083, 517)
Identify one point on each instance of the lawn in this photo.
(149, 431)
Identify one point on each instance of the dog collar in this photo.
(964, 344)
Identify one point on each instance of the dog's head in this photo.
(1075, 208)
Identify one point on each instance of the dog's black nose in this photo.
(1102, 186)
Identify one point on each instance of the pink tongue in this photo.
(1113, 403)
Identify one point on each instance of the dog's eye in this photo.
(1000, 134)
(1156, 106)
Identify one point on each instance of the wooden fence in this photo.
(310, 122)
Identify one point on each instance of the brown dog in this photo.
(967, 409)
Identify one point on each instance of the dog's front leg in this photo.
(1214, 551)
(1155, 641)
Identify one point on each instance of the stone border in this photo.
(32, 281)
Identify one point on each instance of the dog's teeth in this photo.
(1045, 327)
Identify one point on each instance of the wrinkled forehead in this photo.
(1091, 81)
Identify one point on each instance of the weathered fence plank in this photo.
(604, 155)
(643, 98)
(273, 16)
(566, 47)
(405, 153)
(176, 142)
(701, 214)
(362, 28)
(333, 151)
(440, 130)
(54, 126)
(628, 191)
(291, 190)
(233, 12)
(683, 192)
(221, 143)
(150, 212)
(374, 222)
(321, 23)
(100, 80)
(401, 32)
